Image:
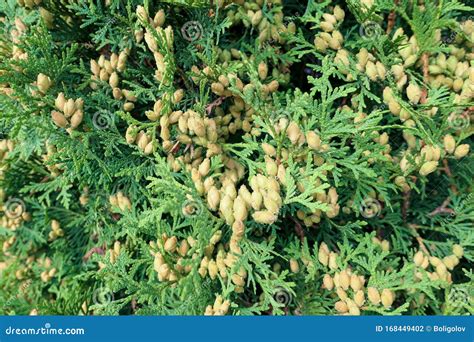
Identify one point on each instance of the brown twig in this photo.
(448, 172)
(299, 229)
(215, 103)
(391, 18)
(149, 63)
(442, 208)
(175, 148)
(422, 245)
(419, 239)
(133, 304)
(92, 251)
(446, 168)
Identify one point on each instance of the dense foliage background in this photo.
(236, 157)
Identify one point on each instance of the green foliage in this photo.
(350, 195)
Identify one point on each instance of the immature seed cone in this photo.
(204, 167)
(273, 86)
(59, 119)
(69, 108)
(262, 70)
(359, 298)
(356, 283)
(213, 270)
(294, 266)
(342, 294)
(428, 168)
(371, 71)
(269, 150)
(55, 225)
(328, 282)
(131, 134)
(341, 307)
(450, 261)
(170, 244)
(271, 167)
(333, 261)
(339, 13)
(149, 148)
(313, 140)
(164, 272)
(373, 295)
(238, 229)
(128, 106)
(238, 280)
(449, 143)
(213, 198)
(320, 44)
(293, 132)
(344, 280)
(413, 93)
(418, 258)
(387, 298)
(458, 251)
(435, 261)
(178, 96)
(461, 151)
(114, 80)
(217, 88)
(141, 13)
(159, 18)
(43, 82)
(264, 216)
(76, 119)
(257, 200)
(354, 310)
(327, 26)
(442, 270)
(240, 209)
(216, 237)
(60, 102)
